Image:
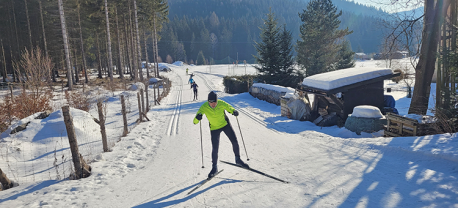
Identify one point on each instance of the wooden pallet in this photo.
(398, 126)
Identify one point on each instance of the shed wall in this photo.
(371, 94)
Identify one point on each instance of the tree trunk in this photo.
(120, 66)
(66, 47)
(146, 56)
(445, 67)
(426, 64)
(133, 48)
(77, 72)
(45, 44)
(110, 56)
(139, 51)
(83, 54)
(18, 52)
(154, 55)
(43, 29)
(454, 22)
(99, 67)
(4, 63)
(126, 39)
(28, 24)
(156, 48)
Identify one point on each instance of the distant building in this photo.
(393, 55)
(400, 54)
(361, 56)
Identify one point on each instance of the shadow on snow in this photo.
(162, 202)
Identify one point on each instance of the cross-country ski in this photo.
(256, 171)
(204, 182)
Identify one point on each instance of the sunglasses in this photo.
(211, 101)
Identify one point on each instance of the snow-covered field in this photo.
(160, 161)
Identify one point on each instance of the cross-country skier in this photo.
(186, 71)
(194, 87)
(191, 81)
(215, 109)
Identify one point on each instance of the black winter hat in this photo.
(212, 97)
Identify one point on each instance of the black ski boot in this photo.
(240, 163)
(213, 171)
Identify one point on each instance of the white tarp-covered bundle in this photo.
(343, 77)
(295, 108)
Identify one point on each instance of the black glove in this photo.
(199, 116)
(235, 113)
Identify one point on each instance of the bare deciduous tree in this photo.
(405, 33)
(34, 69)
(426, 64)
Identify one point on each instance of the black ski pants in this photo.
(195, 94)
(215, 135)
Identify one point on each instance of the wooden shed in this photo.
(338, 92)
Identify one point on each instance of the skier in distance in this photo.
(194, 87)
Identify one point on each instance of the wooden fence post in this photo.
(6, 183)
(158, 91)
(142, 97)
(81, 172)
(102, 126)
(139, 107)
(154, 93)
(164, 88)
(147, 99)
(11, 90)
(124, 116)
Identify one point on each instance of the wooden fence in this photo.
(74, 162)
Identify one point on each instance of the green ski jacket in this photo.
(215, 115)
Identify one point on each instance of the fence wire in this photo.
(46, 155)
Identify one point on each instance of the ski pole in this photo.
(242, 139)
(201, 145)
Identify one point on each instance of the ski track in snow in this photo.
(178, 90)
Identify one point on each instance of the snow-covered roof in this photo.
(178, 63)
(163, 65)
(343, 77)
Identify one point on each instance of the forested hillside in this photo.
(223, 30)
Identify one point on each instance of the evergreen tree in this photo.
(345, 56)
(268, 49)
(318, 46)
(200, 58)
(286, 61)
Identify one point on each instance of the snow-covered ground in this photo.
(160, 161)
